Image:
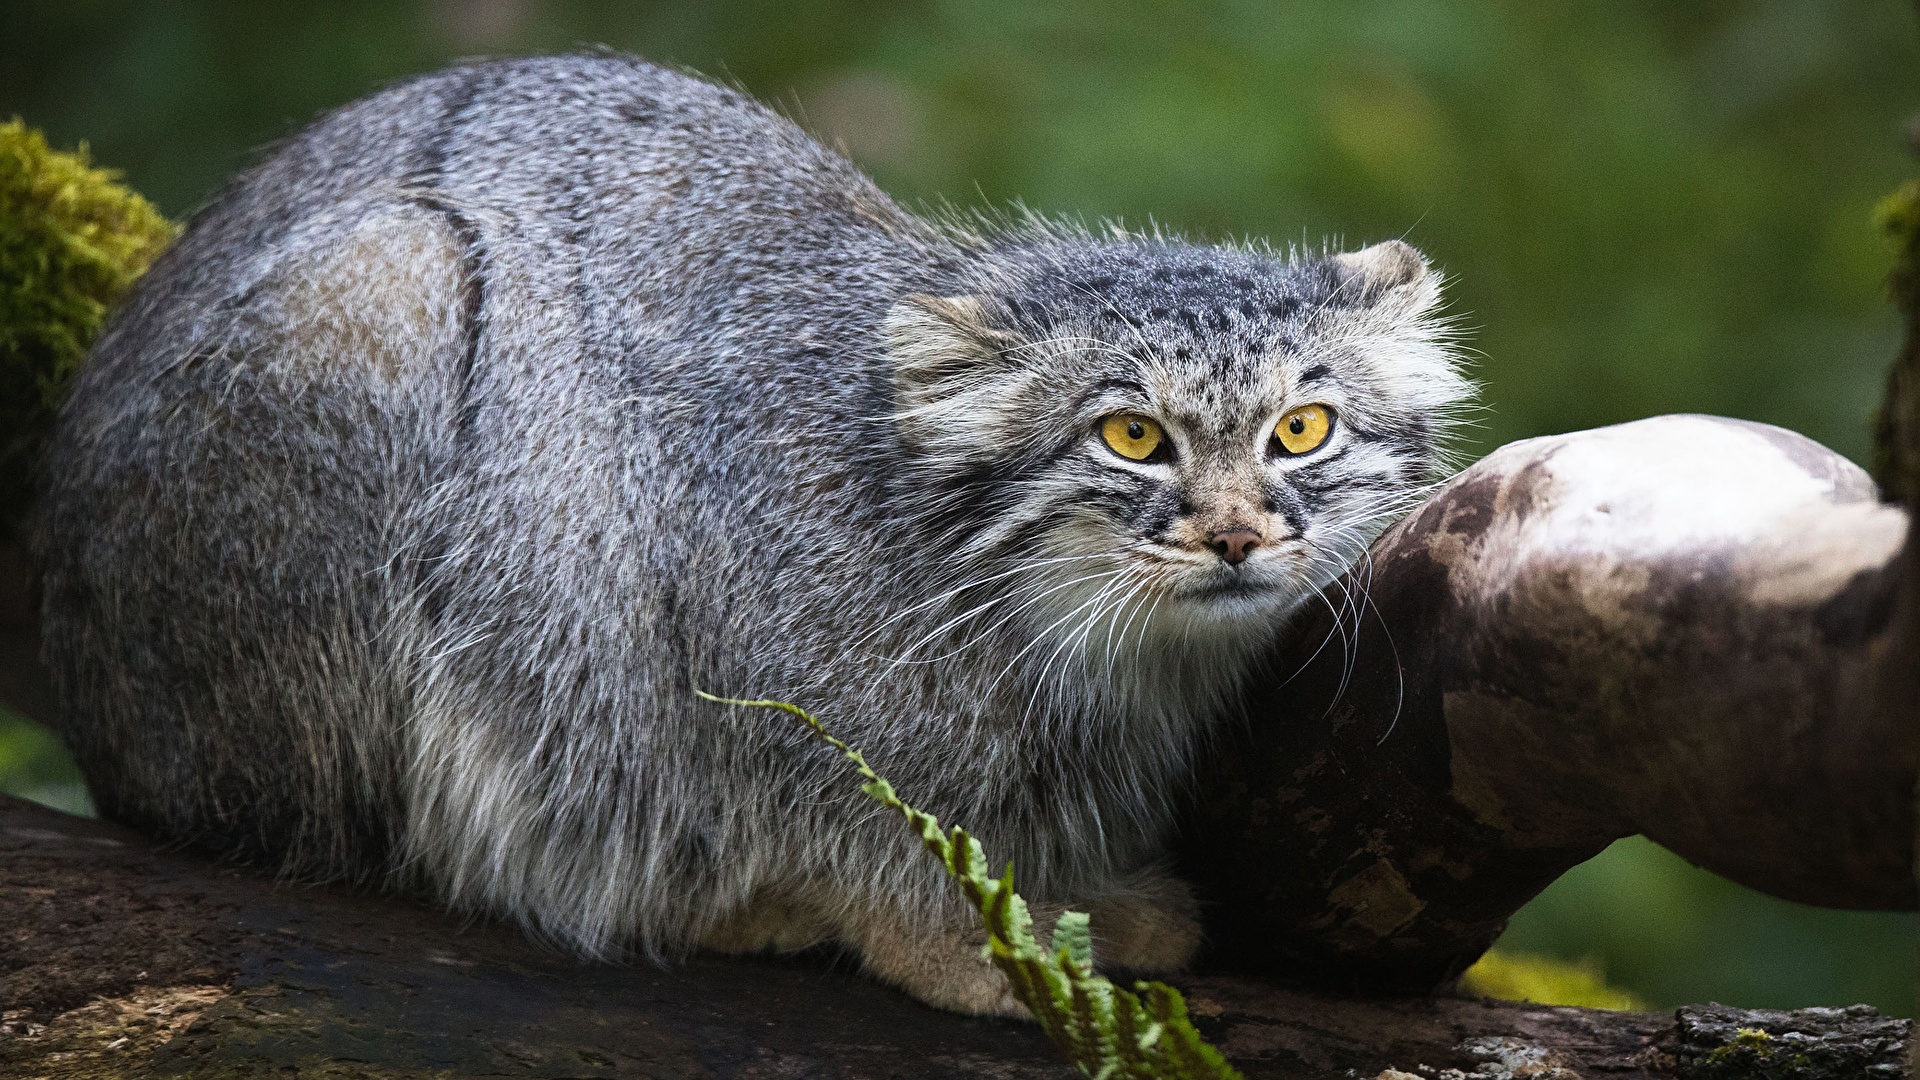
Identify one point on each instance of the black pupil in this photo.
(1297, 425)
(1136, 430)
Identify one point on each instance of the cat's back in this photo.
(586, 241)
(655, 185)
(482, 360)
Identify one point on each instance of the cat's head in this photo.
(1169, 433)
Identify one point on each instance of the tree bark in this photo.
(24, 684)
(120, 959)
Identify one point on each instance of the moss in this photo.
(72, 239)
(1751, 1041)
(1815, 1044)
(1755, 1053)
(1544, 980)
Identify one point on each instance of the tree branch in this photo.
(123, 960)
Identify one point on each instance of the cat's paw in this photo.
(1149, 924)
(943, 966)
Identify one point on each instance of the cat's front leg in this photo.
(772, 922)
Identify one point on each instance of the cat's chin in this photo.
(1238, 598)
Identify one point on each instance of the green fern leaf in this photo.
(1107, 1032)
(1073, 937)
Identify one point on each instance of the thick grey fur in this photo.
(402, 510)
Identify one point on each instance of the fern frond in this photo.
(1107, 1032)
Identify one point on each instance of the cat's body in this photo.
(396, 520)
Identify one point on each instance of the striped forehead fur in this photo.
(999, 391)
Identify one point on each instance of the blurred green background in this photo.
(1644, 206)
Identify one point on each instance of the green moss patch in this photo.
(72, 239)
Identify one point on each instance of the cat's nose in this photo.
(1233, 544)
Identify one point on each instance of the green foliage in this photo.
(1674, 934)
(1898, 215)
(34, 766)
(1108, 1032)
(71, 240)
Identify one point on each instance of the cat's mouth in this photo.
(1231, 600)
(1229, 586)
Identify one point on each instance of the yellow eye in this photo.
(1131, 435)
(1304, 428)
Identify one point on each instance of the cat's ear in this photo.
(1390, 294)
(956, 378)
(941, 346)
(1392, 275)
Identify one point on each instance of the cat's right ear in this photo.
(942, 346)
(1392, 276)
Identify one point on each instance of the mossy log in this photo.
(72, 240)
(118, 959)
(1683, 627)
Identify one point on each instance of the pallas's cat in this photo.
(398, 516)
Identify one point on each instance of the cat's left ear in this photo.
(942, 346)
(1392, 275)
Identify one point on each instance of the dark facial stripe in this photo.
(1416, 444)
(1287, 502)
(1315, 373)
(1345, 483)
(1162, 509)
(983, 489)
